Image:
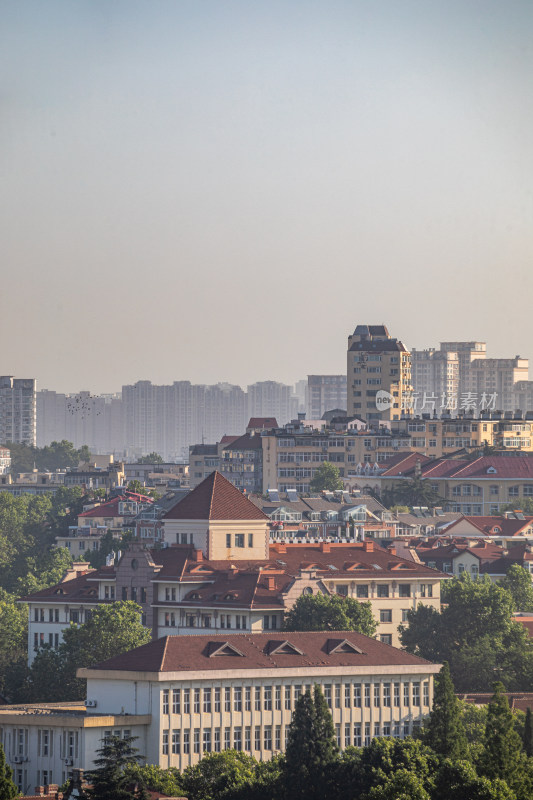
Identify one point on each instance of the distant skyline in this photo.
(222, 190)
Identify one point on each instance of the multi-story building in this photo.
(477, 487)
(242, 462)
(223, 573)
(271, 399)
(81, 418)
(435, 379)
(325, 392)
(496, 378)
(378, 374)
(185, 696)
(5, 460)
(466, 353)
(18, 410)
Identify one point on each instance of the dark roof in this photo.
(265, 423)
(215, 498)
(246, 442)
(259, 651)
(518, 701)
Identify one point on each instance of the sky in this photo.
(222, 190)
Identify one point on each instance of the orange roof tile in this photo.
(215, 499)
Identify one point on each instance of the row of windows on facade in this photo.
(273, 737)
(16, 743)
(268, 698)
(225, 621)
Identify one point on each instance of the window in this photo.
(197, 740)
(227, 738)
(338, 735)
(396, 694)
(186, 741)
(277, 742)
(405, 615)
(406, 694)
(347, 734)
(267, 698)
(357, 736)
(237, 699)
(228, 540)
(237, 738)
(248, 738)
(239, 540)
(376, 696)
(386, 638)
(287, 697)
(176, 743)
(197, 701)
(405, 590)
(258, 698)
(207, 701)
(176, 701)
(217, 700)
(227, 699)
(362, 590)
(386, 694)
(207, 741)
(416, 694)
(347, 697)
(164, 743)
(257, 738)
(426, 590)
(267, 737)
(367, 695)
(186, 701)
(327, 694)
(357, 695)
(385, 615)
(248, 699)
(217, 740)
(278, 701)
(250, 540)
(165, 701)
(383, 590)
(425, 695)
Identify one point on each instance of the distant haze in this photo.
(220, 191)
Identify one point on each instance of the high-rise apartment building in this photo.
(325, 393)
(17, 410)
(466, 353)
(435, 373)
(271, 399)
(496, 377)
(378, 375)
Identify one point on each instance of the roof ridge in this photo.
(164, 655)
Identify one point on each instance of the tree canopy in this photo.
(415, 491)
(151, 458)
(110, 779)
(474, 632)
(518, 583)
(8, 790)
(57, 455)
(322, 612)
(111, 630)
(326, 477)
(444, 731)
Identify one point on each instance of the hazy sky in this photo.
(215, 190)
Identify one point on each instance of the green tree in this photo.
(137, 487)
(411, 492)
(326, 477)
(8, 790)
(155, 778)
(518, 583)
(525, 504)
(399, 785)
(475, 633)
(528, 733)
(13, 634)
(320, 612)
(151, 458)
(311, 750)
(109, 778)
(444, 732)
(111, 630)
(503, 756)
(218, 776)
(460, 781)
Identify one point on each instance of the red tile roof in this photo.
(246, 442)
(518, 701)
(215, 498)
(265, 423)
(513, 467)
(489, 524)
(255, 651)
(110, 508)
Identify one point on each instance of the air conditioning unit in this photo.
(68, 762)
(90, 703)
(18, 759)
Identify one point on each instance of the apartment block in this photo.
(324, 393)
(378, 374)
(435, 375)
(271, 399)
(18, 410)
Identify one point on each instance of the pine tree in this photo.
(502, 755)
(8, 790)
(311, 749)
(445, 732)
(108, 780)
(528, 733)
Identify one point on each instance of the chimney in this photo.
(325, 547)
(279, 547)
(198, 555)
(39, 791)
(271, 583)
(368, 546)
